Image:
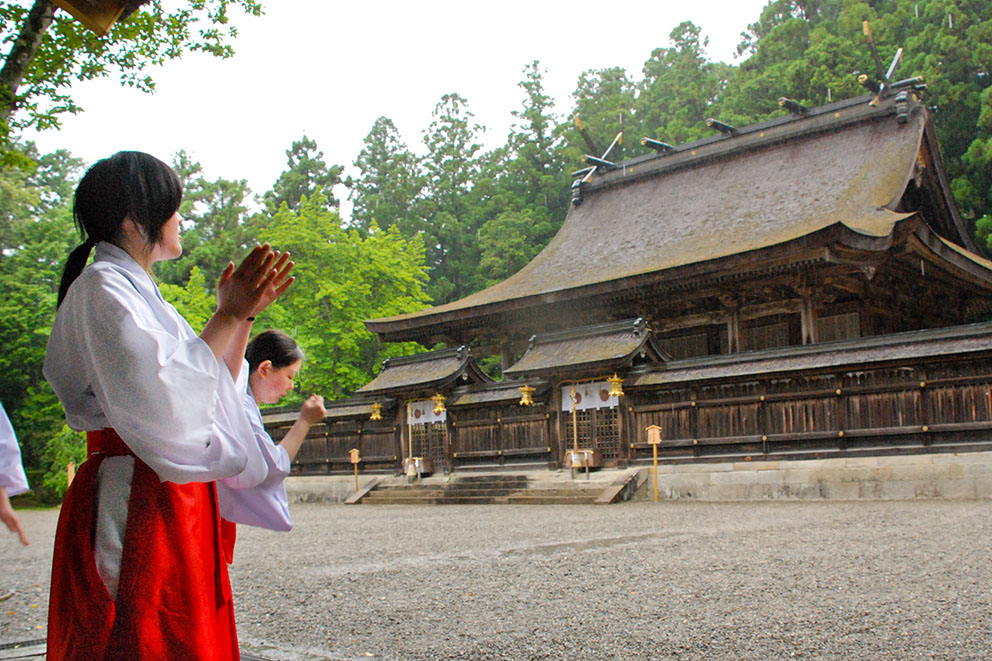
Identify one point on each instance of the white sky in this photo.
(329, 69)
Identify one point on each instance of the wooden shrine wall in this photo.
(911, 407)
(885, 410)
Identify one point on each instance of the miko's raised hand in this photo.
(241, 290)
(281, 280)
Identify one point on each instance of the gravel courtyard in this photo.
(773, 580)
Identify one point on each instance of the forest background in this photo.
(431, 227)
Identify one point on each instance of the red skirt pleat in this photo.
(174, 596)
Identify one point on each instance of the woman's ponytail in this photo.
(74, 266)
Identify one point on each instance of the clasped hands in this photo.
(261, 278)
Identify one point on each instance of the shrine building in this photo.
(800, 288)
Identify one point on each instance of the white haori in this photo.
(12, 476)
(119, 356)
(265, 505)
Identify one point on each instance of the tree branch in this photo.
(16, 65)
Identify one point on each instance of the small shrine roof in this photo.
(868, 351)
(604, 346)
(491, 393)
(432, 370)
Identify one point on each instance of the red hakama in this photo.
(174, 595)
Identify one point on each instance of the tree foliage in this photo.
(46, 51)
(305, 175)
(215, 224)
(37, 234)
(451, 166)
(387, 191)
(342, 278)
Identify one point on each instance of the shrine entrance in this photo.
(596, 419)
(429, 434)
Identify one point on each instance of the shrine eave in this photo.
(874, 351)
(609, 347)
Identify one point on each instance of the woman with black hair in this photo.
(138, 570)
(273, 359)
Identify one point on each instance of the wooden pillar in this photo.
(733, 311)
(866, 321)
(807, 315)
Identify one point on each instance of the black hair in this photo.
(275, 346)
(129, 184)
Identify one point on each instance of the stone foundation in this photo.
(901, 477)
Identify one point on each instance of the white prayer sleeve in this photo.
(266, 505)
(12, 476)
(121, 357)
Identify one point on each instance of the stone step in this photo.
(436, 500)
(451, 488)
(515, 499)
(471, 479)
(551, 499)
(519, 496)
(499, 489)
(427, 492)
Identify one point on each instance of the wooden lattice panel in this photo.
(430, 440)
(584, 420)
(598, 429)
(608, 432)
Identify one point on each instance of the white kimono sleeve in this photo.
(155, 382)
(265, 505)
(12, 476)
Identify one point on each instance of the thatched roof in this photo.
(776, 191)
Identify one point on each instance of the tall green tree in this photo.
(37, 236)
(46, 51)
(678, 87)
(387, 189)
(343, 278)
(523, 191)
(306, 173)
(604, 104)
(451, 166)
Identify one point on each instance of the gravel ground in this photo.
(853, 580)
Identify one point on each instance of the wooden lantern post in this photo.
(654, 438)
(355, 458)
